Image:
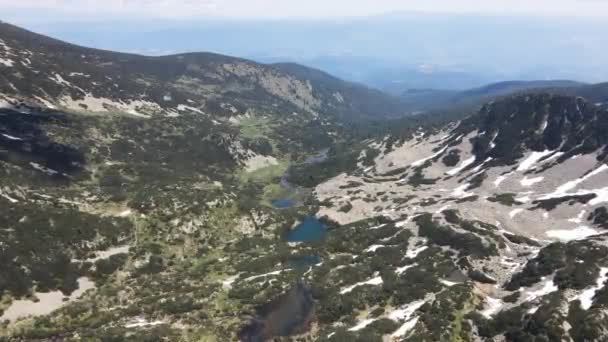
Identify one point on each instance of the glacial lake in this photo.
(283, 203)
(310, 229)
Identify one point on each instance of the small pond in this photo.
(310, 229)
(282, 203)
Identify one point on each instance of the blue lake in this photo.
(310, 229)
(282, 203)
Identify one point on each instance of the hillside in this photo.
(75, 78)
(423, 100)
(207, 198)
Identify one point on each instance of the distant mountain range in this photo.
(421, 100)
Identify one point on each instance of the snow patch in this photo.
(10, 137)
(141, 322)
(44, 169)
(373, 248)
(422, 161)
(461, 191)
(547, 288)
(7, 62)
(493, 305)
(415, 252)
(184, 108)
(462, 166)
(362, 324)
(531, 181)
(586, 297)
(501, 179)
(266, 274)
(578, 233)
(406, 313)
(448, 283)
(563, 189)
(373, 281)
(532, 159)
(227, 283)
(514, 212)
(400, 270)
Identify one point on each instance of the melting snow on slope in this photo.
(227, 283)
(572, 234)
(7, 197)
(493, 305)
(6, 62)
(373, 281)
(406, 313)
(563, 189)
(422, 161)
(547, 288)
(373, 248)
(400, 270)
(478, 167)
(461, 191)
(44, 169)
(142, 322)
(532, 159)
(266, 274)
(362, 324)
(10, 137)
(462, 166)
(415, 252)
(586, 297)
(579, 218)
(448, 283)
(501, 179)
(514, 212)
(531, 181)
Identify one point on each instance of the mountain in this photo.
(73, 78)
(207, 198)
(420, 100)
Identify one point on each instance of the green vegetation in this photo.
(465, 243)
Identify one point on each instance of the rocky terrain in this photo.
(207, 198)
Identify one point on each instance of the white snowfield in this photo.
(140, 322)
(462, 166)
(548, 287)
(492, 307)
(532, 159)
(422, 161)
(586, 297)
(578, 233)
(11, 137)
(531, 181)
(406, 313)
(373, 281)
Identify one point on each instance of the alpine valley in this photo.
(200, 197)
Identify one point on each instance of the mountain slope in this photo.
(510, 202)
(76, 78)
(432, 99)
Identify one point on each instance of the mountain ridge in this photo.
(205, 69)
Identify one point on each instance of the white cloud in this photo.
(299, 8)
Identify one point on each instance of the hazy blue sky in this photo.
(407, 43)
(43, 10)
